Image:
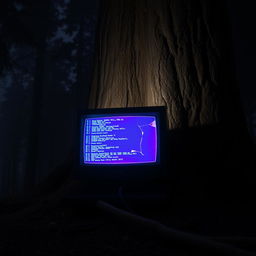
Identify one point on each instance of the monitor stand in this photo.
(121, 194)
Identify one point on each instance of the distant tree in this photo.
(16, 73)
(12, 30)
(39, 14)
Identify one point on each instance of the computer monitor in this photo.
(121, 146)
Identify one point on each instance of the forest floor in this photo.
(73, 230)
(68, 231)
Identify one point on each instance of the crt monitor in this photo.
(122, 145)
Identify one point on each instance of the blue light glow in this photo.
(120, 140)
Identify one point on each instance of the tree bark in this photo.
(168, 52)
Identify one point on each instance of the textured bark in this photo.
(168, 52)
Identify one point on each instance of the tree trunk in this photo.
(177, 53)
(168, 52)
(32, 155)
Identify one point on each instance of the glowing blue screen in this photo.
(120, 140)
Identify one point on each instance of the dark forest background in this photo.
(46, 65)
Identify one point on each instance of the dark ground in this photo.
(64, 228)
(207, 198)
